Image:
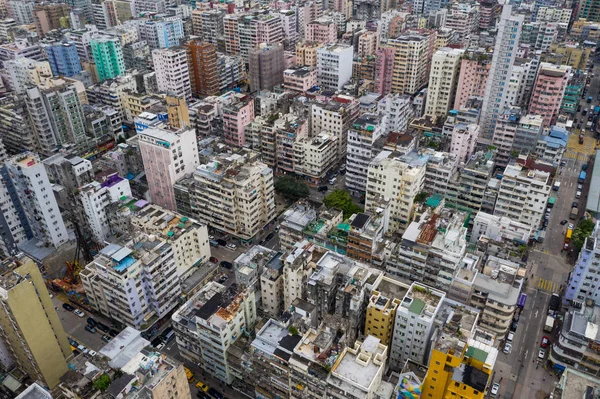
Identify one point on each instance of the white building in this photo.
(464, 138)
(113, 282)
(167, 156)
(315, 156)
(440, 169)
(188, 237)
(414, 324)
(172, 71)
(582, 284)
(363, 134)
(499, 228)
(443, 80)
(209, 322)
(95, 197)
(25, 72)
(335, 117)
(523, 195)
(334, 66)
(31, 184)
(399, 178)
(505, 51)
(399, 111)
(234, 185)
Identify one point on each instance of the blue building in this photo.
(63, 59)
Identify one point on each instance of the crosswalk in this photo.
(576, 155)
(547, 285)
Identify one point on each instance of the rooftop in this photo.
(422, 300)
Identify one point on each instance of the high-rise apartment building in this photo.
(108, 57)
(515, 132)
(412, 61)
(384, 69)
(322, 31)
(56, 116)
(27, 180)
(111, 288)
(266, 66)
(208, 324)
(523, 195)
(306, 53)
(148, 7)
(204, 68)
(236, 185)
(165, 32)
(548, 91)
(21, 11)
(47, 17)
(363, 134)
(24, 73)
(63, 58)
(505, 52)
(463, 141)
(472, 79)
(238, 111)
(589, 10)
(172, 71)
(168, 156)
(335, 117)
(334, 66)
(443, 80)
(29, 325)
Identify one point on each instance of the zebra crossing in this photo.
(576, 155)
(547, 285)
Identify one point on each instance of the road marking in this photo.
(536, 314)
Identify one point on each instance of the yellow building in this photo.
(381, 313)
(29, 324)
(136, 103)
(179, 114)
(460, 366)
(306, 53)
(567, 54)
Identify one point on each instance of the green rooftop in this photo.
(416, 306)
(477, 354)
(434, 201)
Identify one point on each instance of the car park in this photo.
(91, 329)
(541, 354)
(495, 389)
(68, 307)
(79, 313)
(545, 342)
(507, 348)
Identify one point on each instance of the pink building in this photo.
(384, 69)
(237, 113)
(168, 156)
(321, 31)
(472, 79)
(299, 79)
(548, 91)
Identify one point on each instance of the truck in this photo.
(556, 186)
(521, 301)
(574, 213)
(549, 325)
(551, 202)
(541, 236)
(582, 177)
(589, 99)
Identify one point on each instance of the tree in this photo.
(291, 188)
(583, 231)
(421, 197)
(102, 383)
(340, 199)
(293, 330)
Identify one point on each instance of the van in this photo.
(510, 336)
(578, 195)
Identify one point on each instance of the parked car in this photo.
(92, 353)
(545, 342)
(90, 329)
(541, 353)
(222, 279)
(68, 307)
(231, 246)
(495, 389)
(566, 246)
(580, 187)
(510, 336)
(113, 333)
(73, 342)
(574, 204)
(578, 194)
(226, 265)
(202, 395)
(269, 236)
(516, 318)
(332, 180)
(102, 327)
(322, 189)
(155, 342)
(513, 326)
(106, 338)
(221, 242)
(79, 313)
(570, 226)
(91, 322)
(507, 348)
(215, 394)
(213, 259)
(213, 243)
(563, 222)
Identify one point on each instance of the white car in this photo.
(79, 313)
(231, 246)
(495, 389)
(507, 348)
(91, 353)
(541, 353)
(160, 346)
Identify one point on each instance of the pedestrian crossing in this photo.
(547, 285)
(576, 155)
